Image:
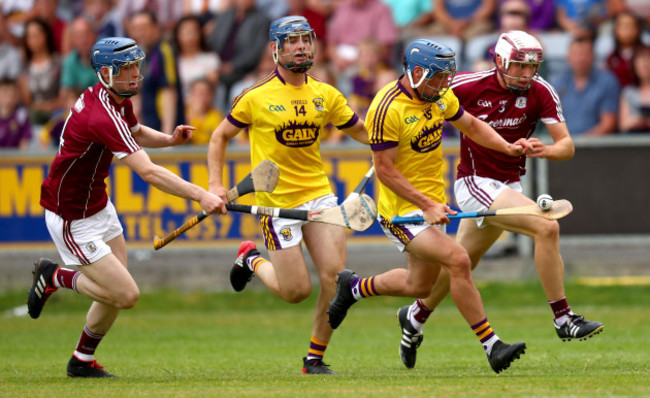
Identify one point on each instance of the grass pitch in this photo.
(250, 344)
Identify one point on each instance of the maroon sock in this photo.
(560, 307)
(420, 312)
(87, 345)
(67, 278)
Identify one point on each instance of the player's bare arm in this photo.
(151, 138)
(216, 156)
(485, 135)
(434, 213)
(358, 132)
(561, 149)
(169, 182)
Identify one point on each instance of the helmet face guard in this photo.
(119, 55)
(518, 58)
(438, 64)
(296, 34)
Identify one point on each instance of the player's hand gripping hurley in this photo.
(263, 178)
(560, 208)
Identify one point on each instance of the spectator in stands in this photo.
(462, 18)
(541, 15)
(627, 39)
(205, 10)
(50, 134)
(10, 59)
(239, 37)
(167, 12)
(46, 10)
(317, 20)
(589, 95)
(15, 129)
(104, 18)
(40, 81)
(635, 100)
(573, 15)
(273, 9)
(412, 17)
(371, 69)
(76, 72)
(195, 61)
(354, 21)
(200, 111)
(160, 77)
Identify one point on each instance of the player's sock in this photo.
(363, 287)
(561, 310)
(486, 335)
(316, 349)
(87, 345)
(67, 278)
(255, 261)
(418, 314)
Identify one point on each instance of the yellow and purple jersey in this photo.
(286, 124)
(396, 119)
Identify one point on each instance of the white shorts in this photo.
(475, 193)
(402, 234)
(82, 242)
(282, 233)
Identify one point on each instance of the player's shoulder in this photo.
(257, 87)
(541, 85)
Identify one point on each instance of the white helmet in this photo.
(519, 47)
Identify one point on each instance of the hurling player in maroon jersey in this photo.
(512, 99)
(79, 215)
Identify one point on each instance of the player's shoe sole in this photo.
(42, 286)
(504, 354)
(316, 366)
(343, 299)
(78, 368)
(576, 327)
(240, 274)
(411, 339)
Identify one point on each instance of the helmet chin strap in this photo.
(512, 87)
(109, 85)
(415, 86)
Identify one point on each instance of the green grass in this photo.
(251, 344)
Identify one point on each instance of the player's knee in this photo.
(128, 299)
(459, 265)
(421, 290)
(549, 230)
(296, 295)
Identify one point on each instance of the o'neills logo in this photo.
(296, 134)
(428, 139)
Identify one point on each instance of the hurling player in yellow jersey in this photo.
(405, 126)
(285, 113)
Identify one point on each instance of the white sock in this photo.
(487, 346)
(416, 325)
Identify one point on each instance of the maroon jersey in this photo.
(513, 116)
(96, 129)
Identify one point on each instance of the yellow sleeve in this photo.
(451, 105)
(383, 128)
(341, 115)
(241, 114)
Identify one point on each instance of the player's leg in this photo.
(476, 241)
(412, 318)
(280, 235)
(548, 262)
(412, 282)
(326, 245)
(442, 249)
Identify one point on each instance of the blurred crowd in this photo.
(203, 53)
